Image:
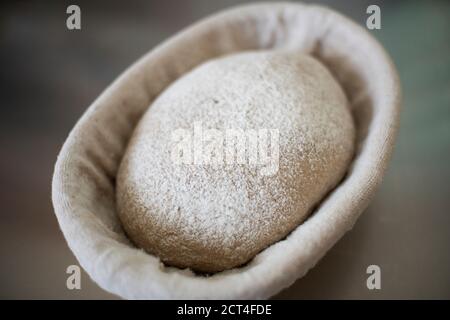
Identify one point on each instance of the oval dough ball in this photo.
(217, 215)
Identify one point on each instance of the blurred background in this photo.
(50, 75)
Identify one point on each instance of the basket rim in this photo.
(120, 268)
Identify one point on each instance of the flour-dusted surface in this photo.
(214, 217)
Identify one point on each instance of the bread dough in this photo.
(215, 215)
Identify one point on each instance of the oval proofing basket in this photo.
(83, 189)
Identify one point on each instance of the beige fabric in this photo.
(84, 178)
(216, 215)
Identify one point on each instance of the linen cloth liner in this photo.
(84, 178)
